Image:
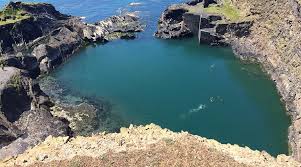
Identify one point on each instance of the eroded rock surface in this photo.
(147, 145)
(264, 31)
(54, 37)
(191, 19)
(24, 119)
(38, 44)
(171, 23)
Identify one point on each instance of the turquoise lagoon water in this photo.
(176, 84)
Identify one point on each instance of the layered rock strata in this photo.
(35, 45)
(264, 31)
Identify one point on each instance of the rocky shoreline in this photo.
(148, 145)
(267, 32)
(34, 41)
(45, 38)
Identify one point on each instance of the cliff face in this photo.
(43, 19)
(259, 30)
(144, 146)
(52, 37)
(275, 42)
(25, 119)
(266, 37)
(34, 39)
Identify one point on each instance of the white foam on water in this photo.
(195, 110)
(135, 4)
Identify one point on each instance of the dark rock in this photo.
(13, 93)
(41, 123)
(20, 33)
(83, 118)
(47, 57)
(14, 102)
(175, 15)
(8, 132)
(171, 24)
(38, 9)
(41, 43)
(128, 36)
(37, 126)
(192, 22)
(27, 63)
(11, 61)
(177, 22)
(20, 95)
(65, 40)
(30, 64)
(208, 2)
(123, 26)
(221, 28)
(241, 29)
(209, 36)
(43, 19)
(194, 2)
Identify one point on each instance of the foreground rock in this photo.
(144, 146)
(83, 118)
(264, 31)
(275, 41)
(25, 118)
(38, 42)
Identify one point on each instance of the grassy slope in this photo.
(14, 15)
(226, 9)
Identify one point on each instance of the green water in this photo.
(181, 85)
(178, 85)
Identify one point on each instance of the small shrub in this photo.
(11, 15)
(2, 64)
(16, 82)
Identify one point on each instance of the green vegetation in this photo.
(225, 8)
(2, 63)
(16, 82)
(11, 15)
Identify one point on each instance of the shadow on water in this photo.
(254, 80)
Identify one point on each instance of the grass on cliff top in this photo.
(225, 8)
(10, 15)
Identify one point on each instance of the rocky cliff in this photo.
(43, 39)
(274, 41)
(34, 39)
(51, 37)
(264, 31)
(147, 145)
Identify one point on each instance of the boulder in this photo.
(47, 57)
(194, 2)
(83, 117)
(36, 125)
(171, 24)
(8, 132)
(208, 2)
(123, 26)
(13, 92)
(27, 63)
